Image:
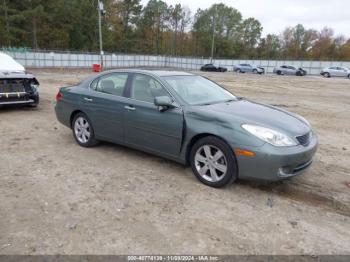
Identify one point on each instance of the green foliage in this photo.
(158, 28)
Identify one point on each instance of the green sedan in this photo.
(191, 120)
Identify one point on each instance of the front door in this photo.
(146, 127)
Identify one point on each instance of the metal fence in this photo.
(60, 59)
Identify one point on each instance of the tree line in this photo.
(159, 28)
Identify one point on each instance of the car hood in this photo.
(7, 63)
(248, 112)
(15, 74)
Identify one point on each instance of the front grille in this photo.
(304, 139)
(11, 85)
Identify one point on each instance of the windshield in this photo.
(197, 90)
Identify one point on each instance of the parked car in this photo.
(191, 120)
(335, 71)
(247, 68)
(213, 68)
(289, 70)
(17, 87)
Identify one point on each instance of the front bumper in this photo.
(19, 98)
(276, 163)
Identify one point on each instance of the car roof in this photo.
(158, 73)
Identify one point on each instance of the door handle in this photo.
(130, 108)
(88, 99)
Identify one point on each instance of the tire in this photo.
(87, 137)
(210, 171)
(327, 75)
(349, 76)
(298, 73)
(255, 71)
(279, 72)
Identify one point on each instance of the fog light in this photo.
(284, 172)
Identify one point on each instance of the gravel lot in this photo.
(59, 198)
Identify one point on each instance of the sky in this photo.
(275, 15)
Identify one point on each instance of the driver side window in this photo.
(145, 88)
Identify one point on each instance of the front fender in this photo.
(229, 129)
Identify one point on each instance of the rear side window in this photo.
(113, 84)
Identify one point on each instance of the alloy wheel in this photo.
(210, 163)
(82, 130)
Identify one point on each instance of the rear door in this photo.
(291, 70)
(342, 71)
(211, 68)
(145, 126)
(337, 71)
(284, 69)
(104, 105)
(249, 68)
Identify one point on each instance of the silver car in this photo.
(247, 68)
(335, 71)
(289, 70)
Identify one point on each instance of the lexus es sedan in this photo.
(189, 119)
(213, 68)
(17, 87)
(289, 70)
(335, 71)
(247, 68)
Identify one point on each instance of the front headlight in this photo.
(34, 86)
(270, 136)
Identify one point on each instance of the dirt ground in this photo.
(59, 198)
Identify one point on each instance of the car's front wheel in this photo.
(327, 75)
(349, 76)
(213, 162)
(83, 131)
(255, 71)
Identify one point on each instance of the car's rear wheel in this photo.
(349, 76)
(83, 131)
(213, 162)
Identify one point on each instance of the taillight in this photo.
(59, 96)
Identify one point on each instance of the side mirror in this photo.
(163, 102)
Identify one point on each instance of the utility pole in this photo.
(7, 24)
(213, 39)
(100, 9)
